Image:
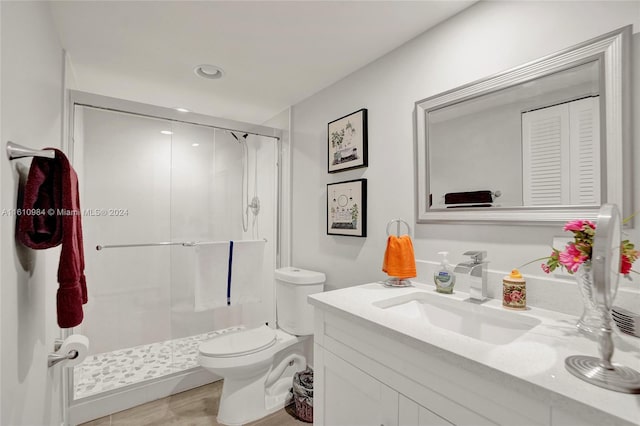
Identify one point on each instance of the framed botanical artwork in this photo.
(347, 208)
(347, 142)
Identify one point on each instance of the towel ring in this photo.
(398, 222)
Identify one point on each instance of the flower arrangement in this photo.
(579, 251)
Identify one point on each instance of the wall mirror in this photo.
(543, 142)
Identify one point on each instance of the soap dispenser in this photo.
(444, 277)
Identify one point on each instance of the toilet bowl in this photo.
(258, 364)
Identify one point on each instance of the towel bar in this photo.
(164, 243)
(15, 151)
(398, 222)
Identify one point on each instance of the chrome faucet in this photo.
(477, 271)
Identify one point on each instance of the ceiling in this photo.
(274, 54)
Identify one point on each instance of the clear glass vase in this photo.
(591, 320)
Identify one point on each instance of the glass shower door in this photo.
(146, 181)
(125, 179)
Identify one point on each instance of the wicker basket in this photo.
(303, 394)
(304, 411)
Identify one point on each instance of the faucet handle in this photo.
(476, 255)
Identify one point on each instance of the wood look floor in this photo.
(195, 407)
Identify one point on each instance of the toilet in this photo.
(258, 364)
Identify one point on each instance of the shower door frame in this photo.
(85, 99)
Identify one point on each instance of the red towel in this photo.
(52, 188)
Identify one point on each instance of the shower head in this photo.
(237, 138)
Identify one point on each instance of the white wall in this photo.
(2, 234)
(485, 39)
(32, 85)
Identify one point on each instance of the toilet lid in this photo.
(239, 343)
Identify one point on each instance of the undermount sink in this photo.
(462, 317)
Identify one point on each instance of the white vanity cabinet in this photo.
(369, 374)
(412, 414)
(352, 397)
(351, 386)
(349, 396)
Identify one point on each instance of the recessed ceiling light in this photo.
(195, 144)
(166, 132)
(181, 109)
(209, 71)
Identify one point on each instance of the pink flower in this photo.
(625, 265)
(581, 250)
(572, 258)
(516, 296)
(578, 225)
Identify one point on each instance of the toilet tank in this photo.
(293, 285)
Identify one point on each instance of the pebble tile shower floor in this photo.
(110, 370)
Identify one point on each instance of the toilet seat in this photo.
(243, 342)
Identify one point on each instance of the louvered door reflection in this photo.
(545, 137)
(584, 135)
(560, 152)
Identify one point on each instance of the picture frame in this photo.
(347, 142)
(347, 208)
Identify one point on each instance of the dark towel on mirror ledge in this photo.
(53, 184)
(468, 197)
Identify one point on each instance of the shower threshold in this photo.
(107, 371)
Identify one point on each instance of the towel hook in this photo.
(398, 222)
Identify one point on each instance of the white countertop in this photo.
(537, 356)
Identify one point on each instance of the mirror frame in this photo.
(614, 51)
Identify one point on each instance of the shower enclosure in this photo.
(154, 187)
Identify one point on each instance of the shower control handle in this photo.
(255, 205)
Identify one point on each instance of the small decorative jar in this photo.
(514, 291)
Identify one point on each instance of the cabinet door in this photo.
(351, 397)
(412, 414)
